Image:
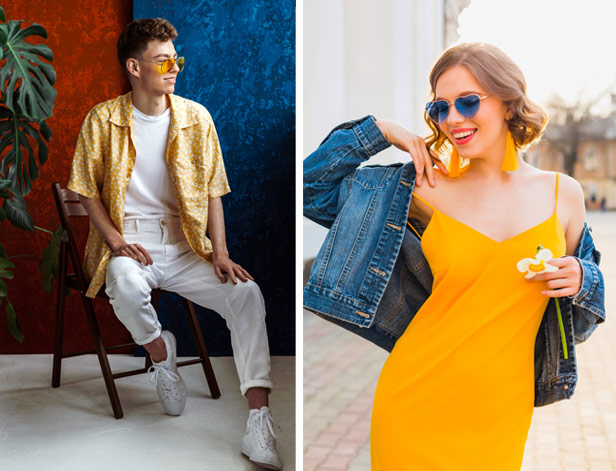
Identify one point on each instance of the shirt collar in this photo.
(181, 115)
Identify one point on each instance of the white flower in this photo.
(534, 266)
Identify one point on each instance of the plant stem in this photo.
(42, 229)
(29, 255)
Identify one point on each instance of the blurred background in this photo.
(363, 57)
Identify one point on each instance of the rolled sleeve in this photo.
(218, 184)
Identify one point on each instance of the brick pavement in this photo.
(575, 435)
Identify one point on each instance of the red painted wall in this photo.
(82, 35)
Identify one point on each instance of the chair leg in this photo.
(60, 307)
(200, 344)
(102, 358)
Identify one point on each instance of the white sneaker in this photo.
(169, 384)
(259, 442)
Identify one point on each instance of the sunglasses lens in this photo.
(438, 111)
(180, 63)
(166, 66)
(468, 106)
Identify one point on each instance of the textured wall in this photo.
(82, 35)
(240, 64)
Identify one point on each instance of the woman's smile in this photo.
(463, 135)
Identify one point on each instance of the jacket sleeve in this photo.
(589, 303)
(328, 170)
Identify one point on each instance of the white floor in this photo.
(72, 428)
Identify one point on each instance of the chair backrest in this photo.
(68, 206)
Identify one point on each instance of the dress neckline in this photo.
(473, 230)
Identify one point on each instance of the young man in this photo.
(149, 171)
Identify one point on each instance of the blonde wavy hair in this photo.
(501, 78)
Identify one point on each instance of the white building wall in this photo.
(366, 57)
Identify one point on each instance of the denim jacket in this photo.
(371, 277)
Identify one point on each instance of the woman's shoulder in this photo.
(569, 189)
(571, 199)
(571, 206)
(432, 195)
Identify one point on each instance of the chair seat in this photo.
(72, 282)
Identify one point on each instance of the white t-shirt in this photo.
(150, 191)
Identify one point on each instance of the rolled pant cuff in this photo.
(149, 338)
(256, 383)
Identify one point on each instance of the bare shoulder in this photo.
(427, 191)
(570, 193)
(572, 210)
(432, 195)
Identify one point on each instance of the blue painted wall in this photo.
(240, 64)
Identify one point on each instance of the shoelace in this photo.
(168, 384)
(265, 420)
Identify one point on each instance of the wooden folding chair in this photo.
(69, 206)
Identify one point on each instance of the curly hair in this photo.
(135, 37)
(502, 78)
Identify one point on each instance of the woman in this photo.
(457, 391)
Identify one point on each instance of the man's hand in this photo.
(422, 157)
(223, 264)
(566, 281)
(119, 247)
(134, 251)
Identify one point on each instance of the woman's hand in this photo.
(422, 157)
(566, 281)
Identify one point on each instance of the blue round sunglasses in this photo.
(467, 106)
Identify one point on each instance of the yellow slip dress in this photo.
(457, 391)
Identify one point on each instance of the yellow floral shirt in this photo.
(105, 157)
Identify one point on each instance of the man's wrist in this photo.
(218, 253)
(116, 242)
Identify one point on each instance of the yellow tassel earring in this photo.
(510, 162)
(454, 163)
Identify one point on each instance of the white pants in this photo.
(178, 269)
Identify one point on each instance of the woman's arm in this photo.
(572, 200)
(567, 280)
(345, 148)
(415, 146)
(331, 165)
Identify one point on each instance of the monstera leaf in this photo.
(19, 164)
(27, 97)
(27, 78)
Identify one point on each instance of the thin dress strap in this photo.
(408, 222)
(423, 200)
(556, 201)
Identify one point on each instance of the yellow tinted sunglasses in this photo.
(166, 65)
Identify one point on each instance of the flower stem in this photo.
(562, 328)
